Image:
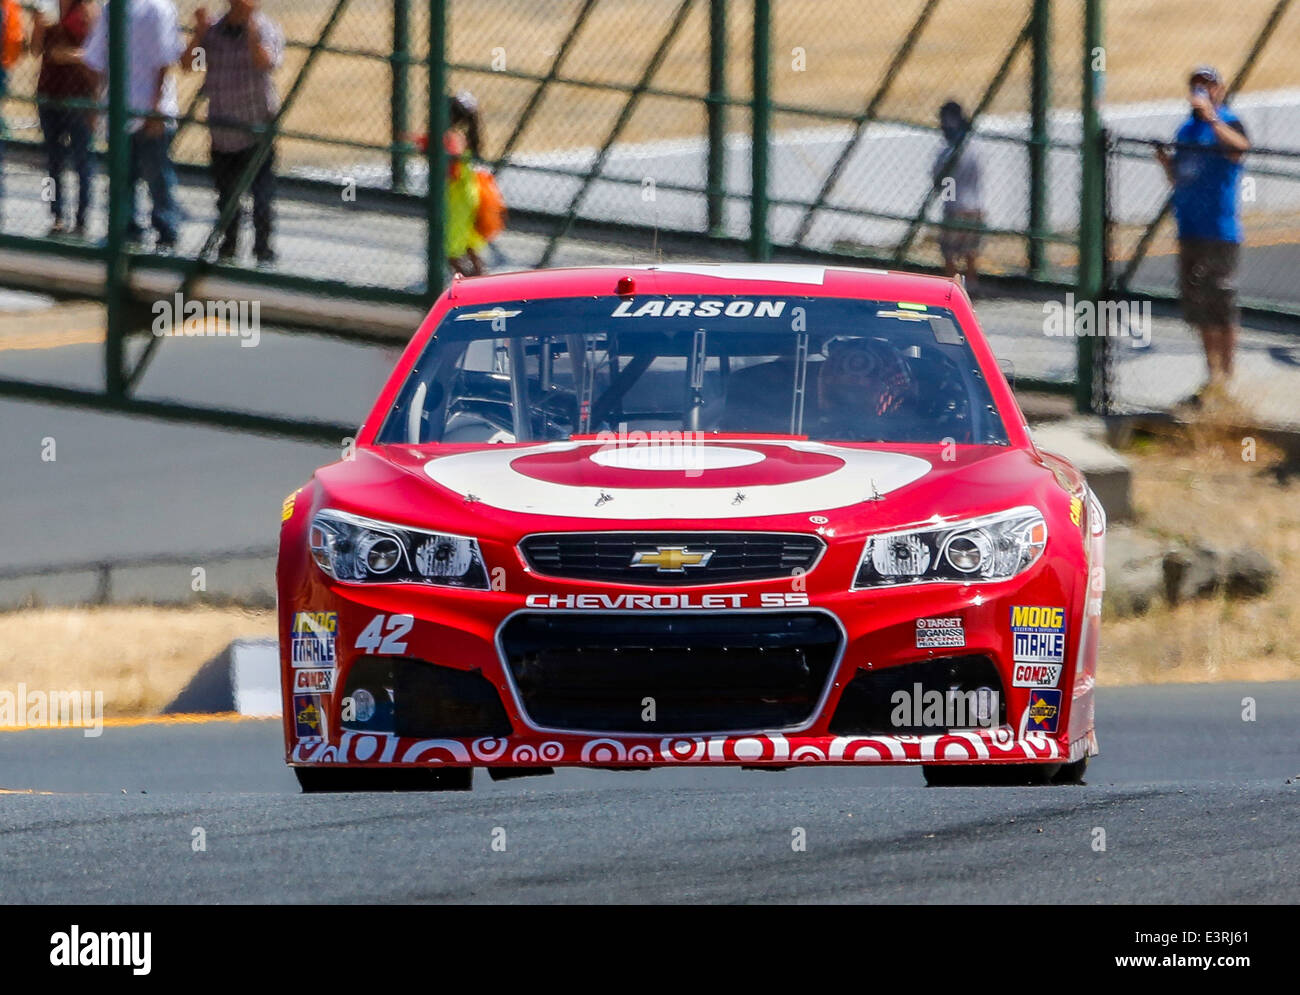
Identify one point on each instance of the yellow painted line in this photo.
(31, 341)
(60, 338)
(127, 722)
(23, 791)
(1265, 242)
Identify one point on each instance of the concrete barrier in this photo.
(243, 678)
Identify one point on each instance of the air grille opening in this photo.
(649, 674)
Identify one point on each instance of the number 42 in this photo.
(374, 640)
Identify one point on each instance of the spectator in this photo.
(462, 141)
(13, 41)
(1205, 168)
(60, 32)
(239, 52)
(961, 195)
(151, 100)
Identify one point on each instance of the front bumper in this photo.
(1000, 745)
(469, 635)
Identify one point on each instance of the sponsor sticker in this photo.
(286, 509)
(667, 602)
(1038, 634)
(308, 717)
(491, 314)
(939, 633)
(1036, 675)
(904, 315)
(737, 308)
(313, 679)
(311, 642)
(1044, 710)
(1076, 511)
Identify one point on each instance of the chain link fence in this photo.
(1156, 361)
(643, 124)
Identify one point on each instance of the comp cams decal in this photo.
(1038, 634)
(1035, 675)
(939, 633)
(313, 679)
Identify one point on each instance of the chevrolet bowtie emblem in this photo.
(672, 559)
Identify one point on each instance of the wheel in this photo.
(513, 773)
(991, 776)
(318, 780)
(1071, 773)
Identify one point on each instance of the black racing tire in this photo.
(990, 776)
(1072, 773)
(514, 773)
(328, 780)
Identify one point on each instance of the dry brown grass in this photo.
(847, 46)
(1195, 486)
(140, 657)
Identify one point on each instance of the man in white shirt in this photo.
(155, 46)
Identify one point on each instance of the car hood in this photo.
(764, 483)
(713, 480)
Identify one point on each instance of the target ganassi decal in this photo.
(661, 481)
(768, 748)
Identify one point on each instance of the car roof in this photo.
(803, 280)
(704, 278)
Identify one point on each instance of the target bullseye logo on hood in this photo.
(693, 464)
(663, 481)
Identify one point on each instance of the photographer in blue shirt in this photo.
(1204, 168)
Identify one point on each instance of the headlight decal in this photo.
(364, 551)
(989, 548)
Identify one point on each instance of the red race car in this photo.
(628, 517)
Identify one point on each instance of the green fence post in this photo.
(399, 122)
(1091, 204)
(717, 109)
(119, 201)
(1040, 96)
(760, 247)
(435, 198)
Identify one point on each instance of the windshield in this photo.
(830, 369)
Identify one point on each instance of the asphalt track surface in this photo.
(1197, 806)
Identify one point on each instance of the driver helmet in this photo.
(862, 372)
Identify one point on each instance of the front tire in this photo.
(328, 780)
(1071, 773)
(990, 776)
